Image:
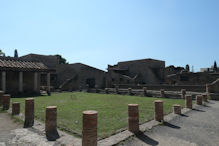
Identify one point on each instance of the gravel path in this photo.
(199, 127)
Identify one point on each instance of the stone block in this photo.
(205, 97)
(183, 93)
(29, 112)
(1, 95)
(177, 109)
(51, 123)
(133, 118)
(158, 110)
(89, 129)
(162, 93)
(15, 108)
(145, 91)
(199, 99)
(6, 101)
(188, 101)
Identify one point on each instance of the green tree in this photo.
(2, 53)
(15, 53)
(61, 59)
(215, 66)
(187, 68)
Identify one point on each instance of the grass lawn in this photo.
(112, 109)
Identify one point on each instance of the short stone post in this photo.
(205, 97)
(51, 123)
(133, 118)
(89, 130)
(6, 101)
(1, 95)
(177, 109)
(188, 101)
(29, 112)
(15, 108)
(117, 89)
(199, 99)
(130, 91)
(183, 93)
(145, 91)
(158, 110)
(106, 90)
(162, 92)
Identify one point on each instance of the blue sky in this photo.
(101, 32)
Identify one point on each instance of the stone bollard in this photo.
(183, 92)
(205, 97)
(158, 110)
(6, 101)
(51, 123)
(15, 108)
(106, 90)
(117, 89)
(199, 99)
(1, 95)
(133, 118)
(188, 101)
(177, 109)
(162, 92)
(130, 91)
(89, 131)
(145, 91)
(29, 112)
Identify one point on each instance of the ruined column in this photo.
(177, 109)
(199, 99)
(183, 92)
(188, 101)
(6, 101)
(21, 81)
(145, 91)
(133, 118)
(29, 112)
(36, 81)
(48, 82)
(1, 95)
(158, 110)
(4, 81)
(205, 97)
(106, 90)
(89, 131)
(130, 91)
(117, 89)
(15, 108)
(162, 92)
(51, 123)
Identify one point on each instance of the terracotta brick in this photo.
(205, 97)
(162, 92)
(51, 123)
(29, 113)
(133, 118)
(6, 101)
(177, 109)
(183, 93)
(145, 91)
(158, 110)
(199, 99)
(15, 108)
(89, 131)
(1, 95)
(188, 101)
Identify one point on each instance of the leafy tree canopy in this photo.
(61, 59)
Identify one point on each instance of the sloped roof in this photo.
(10, 63)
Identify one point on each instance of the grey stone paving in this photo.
(198, 127)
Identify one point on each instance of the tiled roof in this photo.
(9, 63)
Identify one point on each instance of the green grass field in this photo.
(112, 109)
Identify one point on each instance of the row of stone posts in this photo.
(90, 118)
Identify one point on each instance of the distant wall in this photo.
(195, 88)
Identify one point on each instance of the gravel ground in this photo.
(199, 127)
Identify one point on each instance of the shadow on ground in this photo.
(141, 136)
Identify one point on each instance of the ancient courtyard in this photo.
(109, 73)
